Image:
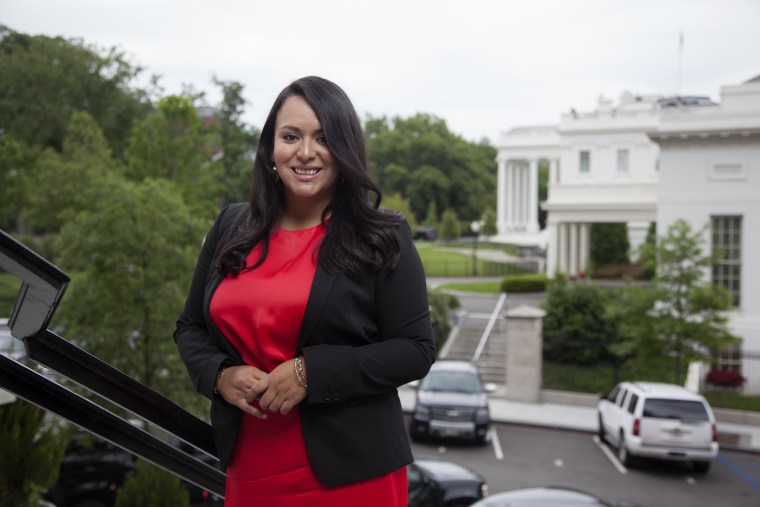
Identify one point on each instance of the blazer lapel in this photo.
(320, 290)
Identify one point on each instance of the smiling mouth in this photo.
(301, 171)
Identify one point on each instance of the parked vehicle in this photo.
(547, 497)
(451, 401)
(437, 483)
(656, 420)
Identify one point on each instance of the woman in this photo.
(307, 309)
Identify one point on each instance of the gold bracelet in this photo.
(218, 378)
(300, 373)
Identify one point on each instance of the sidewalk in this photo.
(574, 417)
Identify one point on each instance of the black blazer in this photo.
(361, 338)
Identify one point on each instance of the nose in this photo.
(306, 150)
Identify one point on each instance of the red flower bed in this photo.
(725, 378)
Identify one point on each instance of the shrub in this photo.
(150, 485)
(533, 282)
(725, 378)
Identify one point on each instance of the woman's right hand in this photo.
(236, 382)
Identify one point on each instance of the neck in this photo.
(302, 216)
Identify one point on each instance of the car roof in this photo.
(663, 390)
(442, 470)
(453, 365)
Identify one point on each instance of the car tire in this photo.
(701, 467)
(600, 432)
(483, 439)
(624, 457)
(414, 434)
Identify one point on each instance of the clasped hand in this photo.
(276, 391)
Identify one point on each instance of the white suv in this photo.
(654, 420)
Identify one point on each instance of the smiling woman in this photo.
(307, 310)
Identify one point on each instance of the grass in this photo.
(487, 287)
(733, 401)
(438, 262)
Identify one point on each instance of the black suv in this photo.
(452, 401)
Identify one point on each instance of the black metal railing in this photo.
(42, 288)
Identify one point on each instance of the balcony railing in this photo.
(42, 287)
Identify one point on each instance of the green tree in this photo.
(690, 314)
(398, 203)
(44, 80)
(489, 223)
(172, 144)
(609, 244)
(131, 258)
(30, 454)
(236, 141)
(431, 219)
(450, 226)
(17, 160)
(575, 329)
(150, 485)
(63, 184)
(457, 174)
(441, 305)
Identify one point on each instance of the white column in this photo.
(552, 250)
(573, 244)
(501, 197)
(533, 196)
(562, 248)
(553, 171)
(585, 247)
(510, 195)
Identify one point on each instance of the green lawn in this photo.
(439, 262)
(489, 287)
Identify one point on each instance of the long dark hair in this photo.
(359, 233)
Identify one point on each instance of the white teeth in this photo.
(305, 172)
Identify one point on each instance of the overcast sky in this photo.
(485, 66)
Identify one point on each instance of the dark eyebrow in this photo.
(296, 129)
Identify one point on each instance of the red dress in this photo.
(260, 311)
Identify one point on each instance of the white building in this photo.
(710, 176)
(648, 159)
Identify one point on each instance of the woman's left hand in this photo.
(279, 391)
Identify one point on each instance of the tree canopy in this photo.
(419, 158)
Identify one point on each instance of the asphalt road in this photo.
(521, 456)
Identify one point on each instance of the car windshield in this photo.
(448, 381)
(686, 410)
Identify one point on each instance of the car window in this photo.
(613, 393)
(452, 381)
(632, 403)
(687, 410)
(621, 397)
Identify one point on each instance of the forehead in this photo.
(296, 112)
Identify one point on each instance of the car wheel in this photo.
(624, 456)
(701, 467)
(415, 434)
(600, 432)
(483, 439)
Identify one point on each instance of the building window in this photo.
(585, 161)
(729, 359)
(727, 241)
(622, 161)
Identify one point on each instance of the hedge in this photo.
(532, 282)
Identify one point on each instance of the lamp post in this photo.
(475, 226)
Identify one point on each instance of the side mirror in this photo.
(490, 388)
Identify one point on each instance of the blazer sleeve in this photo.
(403, 348)
(201, 352)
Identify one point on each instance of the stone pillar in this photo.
(524, 353)
(510, 195)
(533, 196)
(501, 197)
